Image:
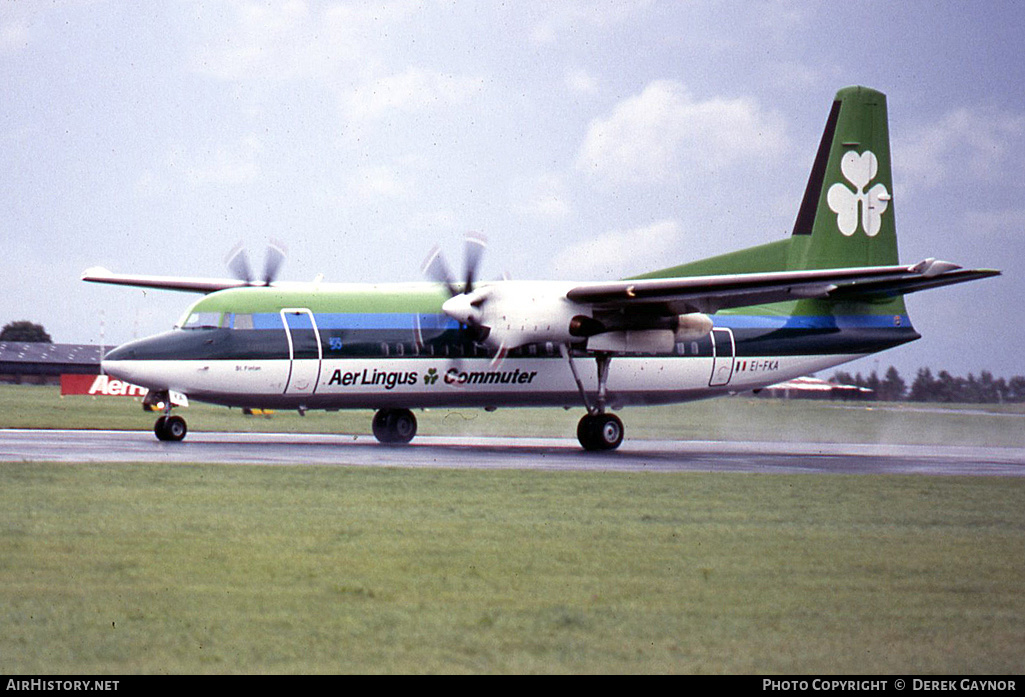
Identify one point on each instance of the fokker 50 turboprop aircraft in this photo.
(830, 293)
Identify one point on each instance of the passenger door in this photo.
(723, 351)
(305, 352)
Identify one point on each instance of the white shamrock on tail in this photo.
(859, 170)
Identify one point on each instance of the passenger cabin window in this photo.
(242, 321)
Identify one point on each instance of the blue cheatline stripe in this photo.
(811, 322)
(369, 320)
(431, 322)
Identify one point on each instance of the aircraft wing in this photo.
(710, 294)
(192, 285)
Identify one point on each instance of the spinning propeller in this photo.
(464, 303)
(511, 314)
(237, 262)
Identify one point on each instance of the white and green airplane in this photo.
(832, 292)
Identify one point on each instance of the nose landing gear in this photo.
(170, 428)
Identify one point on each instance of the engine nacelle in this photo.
(654, 339)
(633, 341)
(512, 314)
(693, 326)
(520, 313)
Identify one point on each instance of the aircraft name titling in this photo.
(388, 379)
(454, 376)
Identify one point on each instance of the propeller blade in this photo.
(499, 357)
(237, 262)
(435, 268)
(475, 246)
(275, 258)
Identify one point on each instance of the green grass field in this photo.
(120, 569)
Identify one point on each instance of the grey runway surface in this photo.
(508, 453)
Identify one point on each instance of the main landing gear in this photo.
(394, 426)
(597, 431)
(600, 432)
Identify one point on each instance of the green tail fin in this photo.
(846, 217)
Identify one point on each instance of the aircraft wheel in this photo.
(170, 428)
(598, 432)
(380, 426)
(394, 425)
(403, 425)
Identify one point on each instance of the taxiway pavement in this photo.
(285, 449)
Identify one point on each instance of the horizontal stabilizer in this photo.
(891, 288)
(713, 293)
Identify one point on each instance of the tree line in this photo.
(25, 331)
(941, 387)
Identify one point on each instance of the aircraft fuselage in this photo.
(287, 355)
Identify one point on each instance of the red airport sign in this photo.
(102, 385)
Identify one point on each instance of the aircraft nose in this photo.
(133, 362)
(114, 362)
(121, 353)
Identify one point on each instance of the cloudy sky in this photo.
(586, 140)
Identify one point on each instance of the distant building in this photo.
(42, 364)
(814, 388)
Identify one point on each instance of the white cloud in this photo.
(1005, 224)
(794, 76)
(247, 40)
(543, 198)
(581, 82)
(652, 135)
(621, 252)
(375, 183)
(14, 35)
(227, 166)
(568, 16)
(415, 90)
(977, 141)
(234, 165)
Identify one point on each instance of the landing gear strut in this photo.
(394, 425)
(596, 430)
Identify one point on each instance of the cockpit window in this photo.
(203, 320)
